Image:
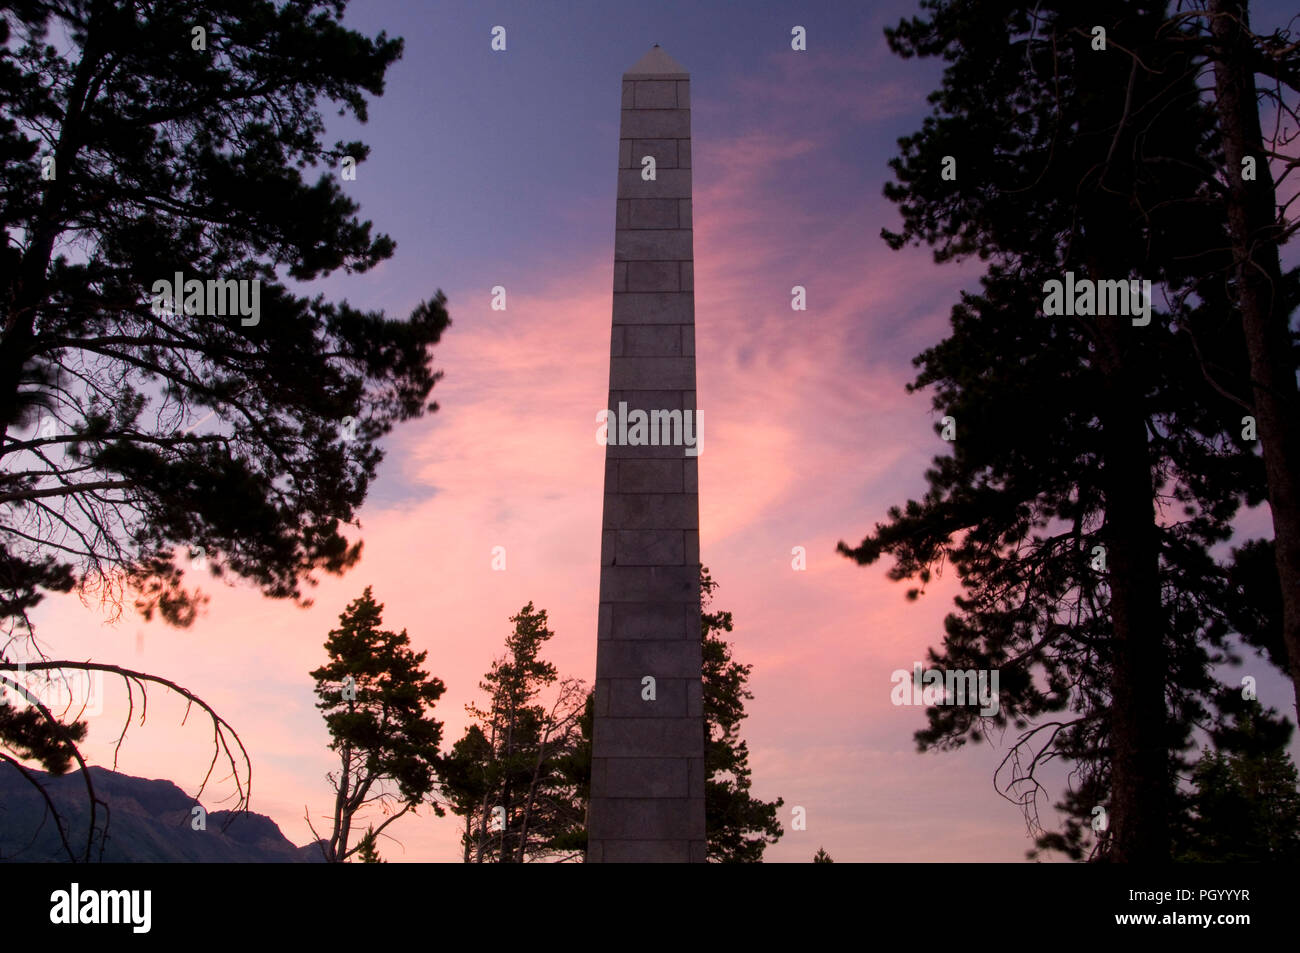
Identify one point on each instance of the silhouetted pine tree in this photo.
(507, 774)
(738, 826)
(1094, 464)
(1244, 806)
(1265, 295)
(377, 703)
(138, 141)
(367, 852)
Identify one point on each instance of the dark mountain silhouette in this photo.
(149, 822)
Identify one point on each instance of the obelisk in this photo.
(647, 768)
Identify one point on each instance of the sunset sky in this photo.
(493, 168)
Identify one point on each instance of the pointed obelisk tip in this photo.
(657, 64)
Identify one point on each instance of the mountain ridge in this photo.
(149, 821)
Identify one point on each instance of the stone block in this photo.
(691, 547)
(690, 475)
(643, 777)
(654, 307)
(633, 659)
(645, 620)
(650, 819)
(684, 217)
(683, 94)
(664, 152)
(656, 277)
(627, 697)
(649, 476)
(651, 452)
(695, 772)
(652, 244)
(695, 698)
(651, 340)
(647, 584)
(655, 94)
(644, 74)
(655, 124)
(652, 213)
(649, 547)
(649, 737)
(651, 373)
(668, 184)
(651, 400)
(646, 851)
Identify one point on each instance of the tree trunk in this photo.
(504, 855)
(531, 796)
(1139, 768)
(1140, 782)
(481, 846)
(337, 836)
(1252, 220)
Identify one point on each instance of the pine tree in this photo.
(1244, 805)
(821, 857)
(1265, 296)
(507, 775)
(1102, 617)
(144, 447)
(738, 826)
(367, 851)
(377, 703)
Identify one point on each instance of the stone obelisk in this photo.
(647, 768)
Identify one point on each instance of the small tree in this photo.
(1244, 806)
(376, 701)
(367, 852)
(821, 857)
(510, 776)
(739, 826)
